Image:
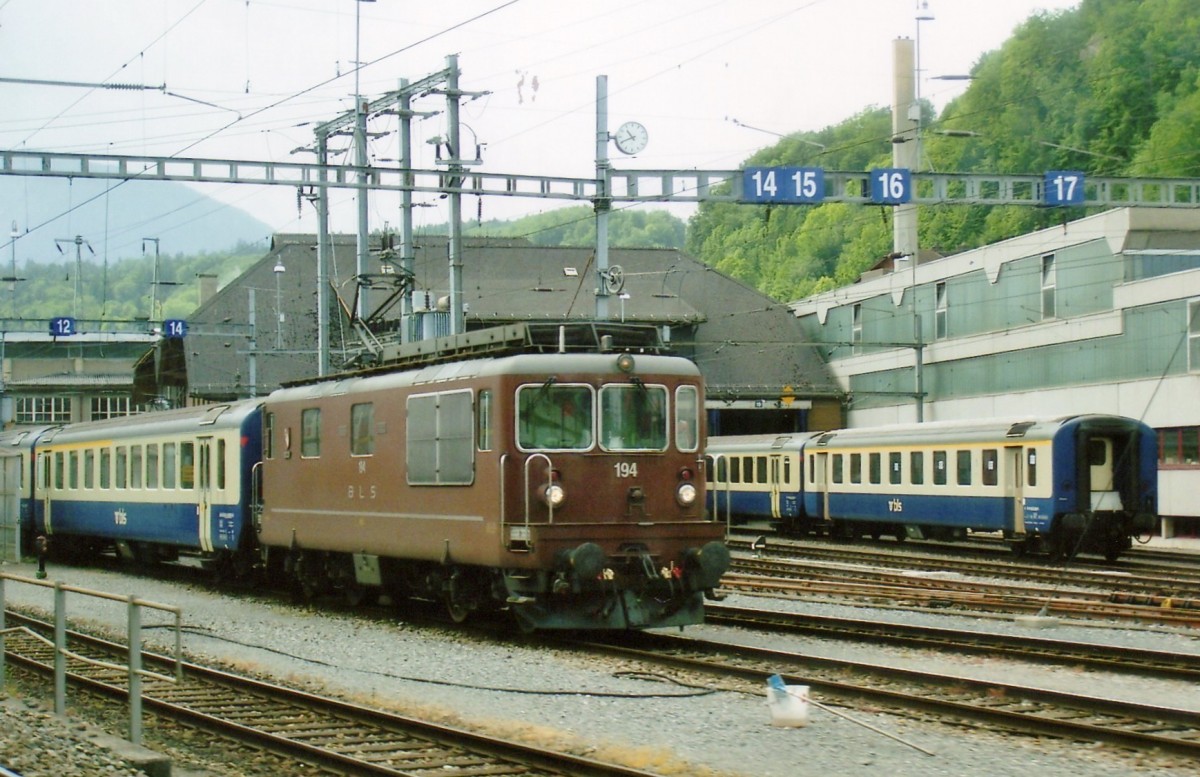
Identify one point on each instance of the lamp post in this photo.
(279, 270)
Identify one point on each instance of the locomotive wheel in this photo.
(459, 611)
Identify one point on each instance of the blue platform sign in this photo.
(62, 326)
(175, 327)
(1064, 187)
(783, 185)
(891, 185)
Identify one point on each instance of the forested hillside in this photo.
(1112, 88)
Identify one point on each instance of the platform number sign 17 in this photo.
(1064, 187)
(891, 185)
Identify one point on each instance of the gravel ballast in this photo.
(604, 708)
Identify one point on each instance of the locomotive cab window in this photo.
(687, 418)
(633, 417)
(553, 417)
(310, 433)
(362, 429)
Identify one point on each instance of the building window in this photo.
(856, 330)
(1048, 286)
(43, 410)
(1179, 447)
(939, 315)
(1193, 330)
(112, 407)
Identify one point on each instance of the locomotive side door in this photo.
(204, 476)
(1014, 487)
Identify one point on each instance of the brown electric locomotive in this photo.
(565, 487)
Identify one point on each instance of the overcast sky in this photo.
(247, 79)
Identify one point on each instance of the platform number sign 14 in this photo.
(784, 185)
(175, 327)
(1064, 187)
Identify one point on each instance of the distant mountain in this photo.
(118, 216)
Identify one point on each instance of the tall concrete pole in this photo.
(603, 201)
(455, 169)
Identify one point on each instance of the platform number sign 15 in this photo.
(62, 326)
(1064, 187)
(891, 185)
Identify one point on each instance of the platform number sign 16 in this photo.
(1064, 187)
(175, 327)
(891, 185)
(62, 326)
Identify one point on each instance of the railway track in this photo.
(1002, 706)
(335, 736)
(1147, 663)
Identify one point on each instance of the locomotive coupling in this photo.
(706, 565)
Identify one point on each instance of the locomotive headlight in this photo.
(554, 495)
(685, 494)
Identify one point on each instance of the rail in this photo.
(133, 667)
(549, 482)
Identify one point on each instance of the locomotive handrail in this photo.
(549, 482)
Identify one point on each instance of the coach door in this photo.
(775, 484)
(1014, 487)
(204, 486)
(820, 478)
(42, 485)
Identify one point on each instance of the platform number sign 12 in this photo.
(1064, 187)
(62, 326)
(891, 185)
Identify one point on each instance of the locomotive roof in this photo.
(973, 430)
(539, 365)
(190, 419)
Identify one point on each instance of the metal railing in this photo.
(133, 667)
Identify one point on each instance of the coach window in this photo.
(483, 420)
(1031, 469)
(875, 463)
(169, 465)
(135, 466)
(916, 468)
(722, 470)
(73, 470)
(894, 463)
(59, 469)
(121, 477)
(991, 464)
(837, 468)
(220, 463)
(89, 468)
(735, 469)
(106, 468)
(855, 467)
(939, 468)
(964, 468)
(310, 433)
(760, 469)
(362, 429)
(152, 465)
(187, 465)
